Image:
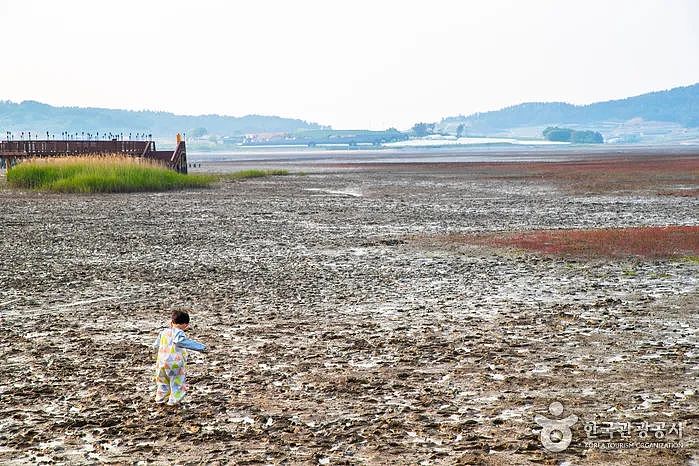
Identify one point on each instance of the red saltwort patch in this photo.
(645, 242)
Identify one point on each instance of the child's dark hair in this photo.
(180, 317)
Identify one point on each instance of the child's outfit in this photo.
(172, 361)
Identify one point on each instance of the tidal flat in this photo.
(343, 328)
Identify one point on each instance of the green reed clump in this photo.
(254, 173)
(100, 174)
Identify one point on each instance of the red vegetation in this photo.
(680, 193)
(621, 174)
(668, 175)
(647, 242)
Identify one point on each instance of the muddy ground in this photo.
(340, 333)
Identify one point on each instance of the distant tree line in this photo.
(679, 105)
(554, 133)
(40, 118)
(423, 129)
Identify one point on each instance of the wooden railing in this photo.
(179, 158)
(10, 151)
(45, 148)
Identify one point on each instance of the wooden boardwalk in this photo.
(13, 151)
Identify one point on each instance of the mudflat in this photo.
(346, 324)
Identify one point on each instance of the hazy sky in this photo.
(349, 64)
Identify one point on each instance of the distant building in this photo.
(264, 137)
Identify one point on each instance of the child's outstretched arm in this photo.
(156, 343)
(183, 342)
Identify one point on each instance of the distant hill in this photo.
(39, 118)
(679, 105)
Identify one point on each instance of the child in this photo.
(172, 346)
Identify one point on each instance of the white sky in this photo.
(349, 64)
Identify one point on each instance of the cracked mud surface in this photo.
(337, 338)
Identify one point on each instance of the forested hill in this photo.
(39, 118)
(678, 105)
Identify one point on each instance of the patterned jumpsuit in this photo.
(172, 344)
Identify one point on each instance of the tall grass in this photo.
(100, 174)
